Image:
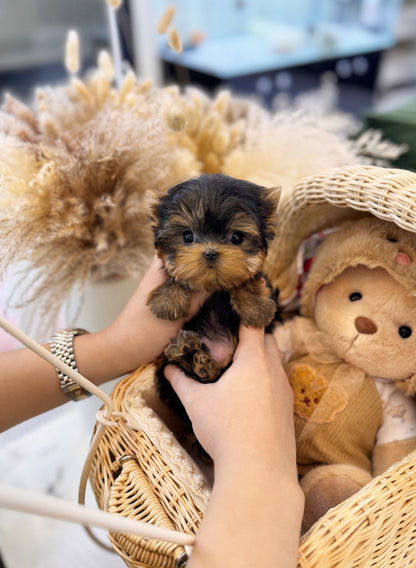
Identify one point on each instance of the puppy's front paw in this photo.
(260, 313)
(169, 301)
(254, 304)
(256, 311)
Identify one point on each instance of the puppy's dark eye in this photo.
(355, 296)
(188, 237)
(237, 238)
(392, 240)
(405, 331)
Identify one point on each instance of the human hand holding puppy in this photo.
(137, 334)
(252, 402)
(247, 427)
(29, 385)
(212, 234)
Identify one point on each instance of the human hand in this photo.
(248, 413)
(137, 335)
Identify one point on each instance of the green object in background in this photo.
(398, 125)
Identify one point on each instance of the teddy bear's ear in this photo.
(152, 200)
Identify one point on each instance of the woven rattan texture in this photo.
(143, 487)
(376, 528)
(324, 200)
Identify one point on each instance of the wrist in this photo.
(258, 460)
(98, 357)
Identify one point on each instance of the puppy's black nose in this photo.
(210, 254)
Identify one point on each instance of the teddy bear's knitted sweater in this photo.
(336, 421)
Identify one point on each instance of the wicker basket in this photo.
(138, 468)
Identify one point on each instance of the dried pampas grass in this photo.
(174, 40)
(74, 170)
(72, 59)
(303, 137)
(75, 166)
(165, 20)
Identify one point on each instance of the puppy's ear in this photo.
(152, 200)
(269, 201)
(270, 197)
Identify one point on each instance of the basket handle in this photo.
(45, 505)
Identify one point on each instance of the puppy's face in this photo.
(212, 232)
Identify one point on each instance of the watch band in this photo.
(62, 346)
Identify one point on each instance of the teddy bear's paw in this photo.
(329, 485)
(407, 386)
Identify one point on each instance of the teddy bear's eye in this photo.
(405, 331)
(355, 296)
(392, 240)
(188, 237)
(237, 238)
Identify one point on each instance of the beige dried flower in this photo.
(105, 63)
(165, 20)
(74, 170)
(72, 57)
(114, 3)
(213, 126)
(174, 41)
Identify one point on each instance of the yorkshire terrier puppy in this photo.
(211, 233)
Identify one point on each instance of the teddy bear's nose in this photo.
(365, 325)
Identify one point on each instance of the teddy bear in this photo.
(350, 357)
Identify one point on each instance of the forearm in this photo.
(253, 519)
(29, 385)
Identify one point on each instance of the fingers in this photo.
(197, 300)
(247, 334)
(253, 343)
(271, 346)
(254, 340)
(250, 341)
(155, 275)
(181, 383)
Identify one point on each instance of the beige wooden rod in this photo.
(47, 506)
